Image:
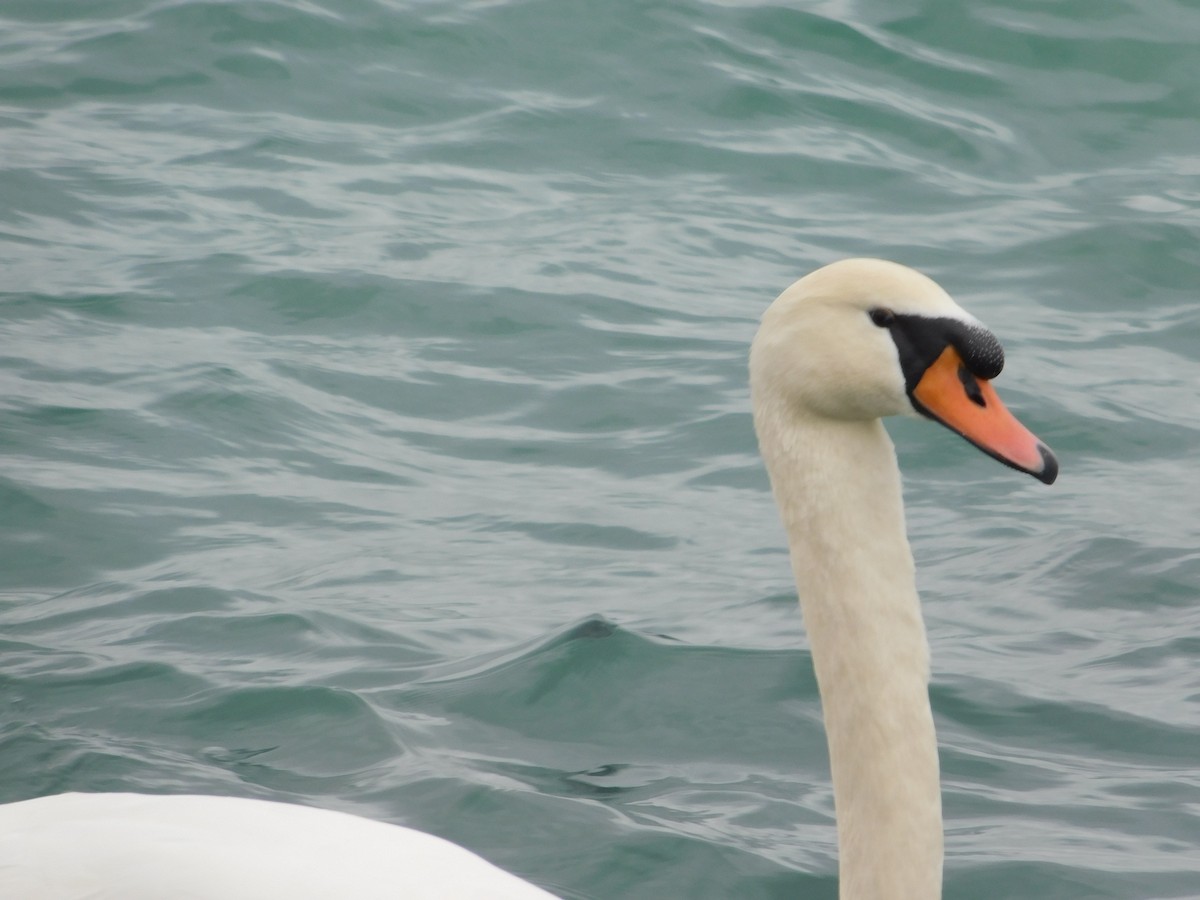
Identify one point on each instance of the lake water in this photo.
(375, 431)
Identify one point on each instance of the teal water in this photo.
(375, 431)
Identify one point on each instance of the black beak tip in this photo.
(1049, 470)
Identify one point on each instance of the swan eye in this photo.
(882, 316)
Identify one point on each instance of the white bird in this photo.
(837, 351)
(189, 847)
(848, 344)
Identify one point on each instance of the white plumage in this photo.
(185, 847)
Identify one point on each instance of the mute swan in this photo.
(187, 847)
(839, 349)
(842, 347)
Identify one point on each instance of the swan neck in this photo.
(838, 489)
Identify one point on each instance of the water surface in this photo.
(376, 436)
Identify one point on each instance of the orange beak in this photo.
(950, 394)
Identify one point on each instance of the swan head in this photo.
(861, 339)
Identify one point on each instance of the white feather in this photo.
(183, 847)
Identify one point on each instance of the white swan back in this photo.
(139, 847)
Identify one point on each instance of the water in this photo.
(375, 428)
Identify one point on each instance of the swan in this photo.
(841, 348)
(193, 847)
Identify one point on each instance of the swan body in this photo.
(837, 351)
(187, 847)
